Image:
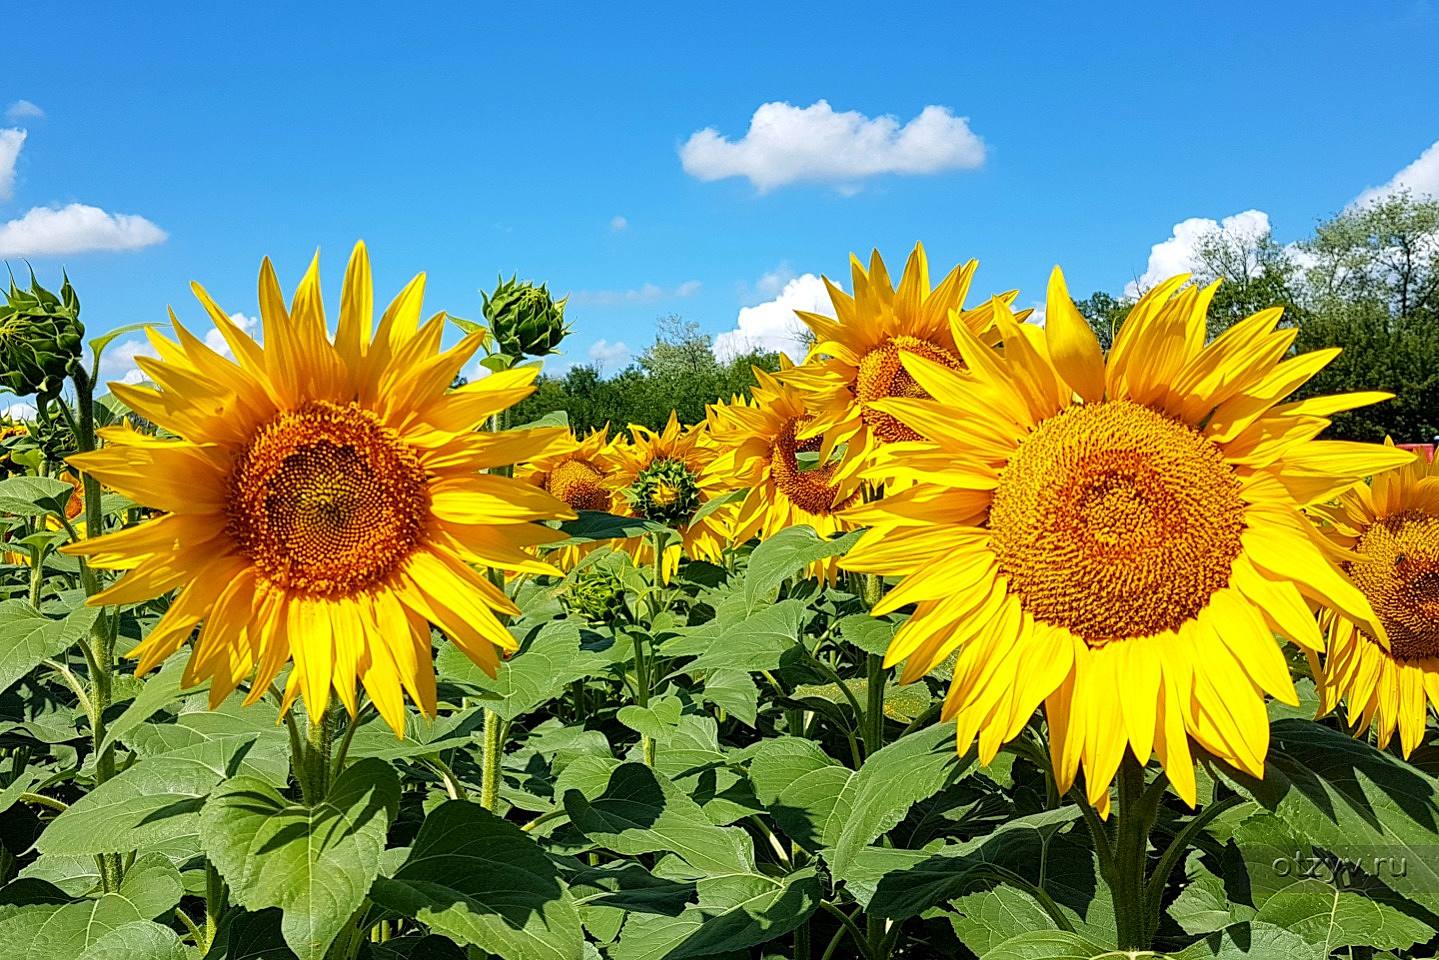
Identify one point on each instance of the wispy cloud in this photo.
(648, 293)
(23, 110)
(619, 223)
(11, 143)
(788, 144)
(609, 356)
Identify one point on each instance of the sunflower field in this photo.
(962, 637)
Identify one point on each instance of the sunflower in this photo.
(854, 363)
(1390, 535)
(323, 499)
(759, 449)
(663, 478)
(1118, 539)
(581, 472)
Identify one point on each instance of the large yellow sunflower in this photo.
(855, 360)
(662, 478)
(1119, 538)
(323, 500)
(758, 449)
(1390, 535)
(581, 472)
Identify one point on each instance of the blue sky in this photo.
(469, 140)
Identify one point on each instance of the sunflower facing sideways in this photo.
(323, 499)
(855, 360)
(1390, 534)
(1117, 538)
(663, 478)
(758, 450)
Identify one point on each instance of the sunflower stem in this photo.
(1136, 923)
(313, 766)
(215, 894)
(871, 590)
(490, 762)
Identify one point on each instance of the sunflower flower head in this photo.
(856, 362)
(324, 499)
(1117, 538)
(1390, 534)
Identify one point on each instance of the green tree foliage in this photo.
(678, 371)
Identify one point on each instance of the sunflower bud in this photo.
(666, 491)
(40, 338)
(597, 594)
(525, 320)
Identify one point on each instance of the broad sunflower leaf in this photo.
(63, 931)
(1363, 805)
(735, 692)
(479, 880)
(27, 636)
(141, 940)
(314, 863)
(642, 812)
(1247, 941)
(786, 554)
(29, 496)
(592, 525)
(155, 801)
(534, 676)
(758, 641)
(985, 919)
(1049, 945)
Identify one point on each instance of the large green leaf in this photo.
(733, 913)
(141, 940)
(1247, 941)
(315, 863)
(799, 784)
(27, 636)
(1049, 945)
(34, 496)
(535, 675)
(155, 801)
(159, 691)
(113, 926)
(1363, 805)
(784, 555)
(641, 812)
(479, 880)
(890, 782)
(736, 641)
(592, 525)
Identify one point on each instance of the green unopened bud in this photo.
(666, 491)
(525, 320)
(40, 338)
(597, 595)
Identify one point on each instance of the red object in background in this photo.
(1425, 450)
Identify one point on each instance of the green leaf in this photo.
(479, 880)
(641, 812)
(786, 554)
(28, 496)
(800, 785)
(985, 919)
(156, 693)
(155, 801)
(1049, 945)
(153, 885)
(141, 940)
(659, 720)
(62, 931)
(314, 863)
(1329, 918)
(759, 641)
(733, 691)
(592, 525)
(1364, 805)
(534, 676)
(891, 781)
(1247, 941)
(27, 636)
(870, 634)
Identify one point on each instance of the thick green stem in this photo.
(1135, 922)
(490, 761)
(312, 767)
(871, 589)
(215, 893)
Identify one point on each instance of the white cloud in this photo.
(618, 223)
(789, 144)
(117, 363)
(11, 141)
(19, 410)
(77, 228)
(606, 355)
(23, 110)
(772, 325)
(649, 293)
(1179, 254)
(1420, 177)
(215, 340)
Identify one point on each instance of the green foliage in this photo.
(40, 338)
(678, 371)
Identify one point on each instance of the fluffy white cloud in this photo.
(609, 356)
(118, 361)
(215, 340)
(788, 144)
(618, 223)
(23, 110)
(77, 228)
(1420, 177)
(1179, 254)
(19, 410)
(11, 141)
(649, 293)
(772, 325)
